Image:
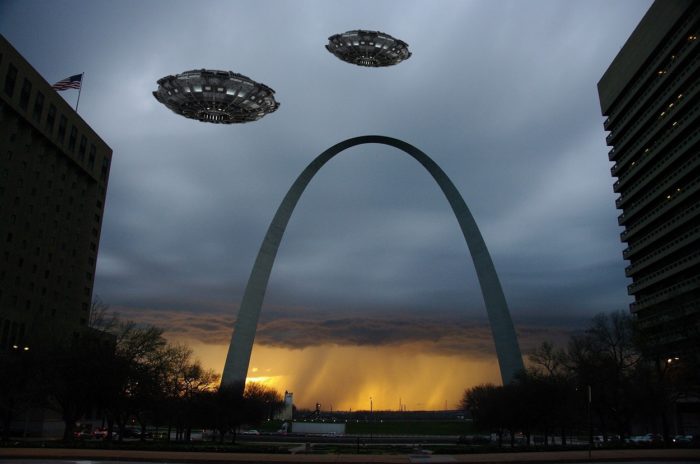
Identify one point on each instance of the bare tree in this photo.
(100, 317)
(548, 360)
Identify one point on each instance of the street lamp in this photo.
(370, 418)
(23, 373)
(590, 422)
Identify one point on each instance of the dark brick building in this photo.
(53, 179)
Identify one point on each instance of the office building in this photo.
(650, 97)
(53, 179)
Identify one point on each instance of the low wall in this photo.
(318, 428)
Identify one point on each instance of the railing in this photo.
(664, 325)
(682, 30)
(652, 107)
(658, 211)
(681, 264)
(681, 287)
(686, 215)
(683, 169)
(669, 132)
(672, 200)
(674, 245)
(678, 311)
(622, 179)
(664, 184)
(673, 105)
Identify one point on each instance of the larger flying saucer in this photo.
(221, 97)
(368, 48)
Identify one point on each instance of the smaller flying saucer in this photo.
(368, 48)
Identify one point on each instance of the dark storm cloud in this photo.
(449, 337)
(502, 94)
(299, 329)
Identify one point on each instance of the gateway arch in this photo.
(507, 349)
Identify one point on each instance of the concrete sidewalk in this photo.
(659, 455)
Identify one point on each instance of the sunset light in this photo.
(343, 377)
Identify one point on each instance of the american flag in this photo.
(72, 82)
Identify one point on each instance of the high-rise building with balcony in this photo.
(53, 179)
(651, 98)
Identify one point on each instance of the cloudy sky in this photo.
(373, 292)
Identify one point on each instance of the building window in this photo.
(105, 168)
(91, 157)
(83, 146)
(10, 79)
(71, 138)
(38, 106)
(50, 118)
(62, 122)
(25, 93)
(5, 340)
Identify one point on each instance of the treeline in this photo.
(606, 382)
(128, 374)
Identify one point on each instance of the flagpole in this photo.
(80, 89)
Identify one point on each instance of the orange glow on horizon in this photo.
(269, 381)
(345, 377)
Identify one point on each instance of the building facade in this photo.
(651, 98)
(53, 179)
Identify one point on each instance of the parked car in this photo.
(647, 439)
(131, 432)
(250, 432)
(474, 440)
(82, 434)
(683, 439)
(99, 434)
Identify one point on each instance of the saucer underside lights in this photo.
(221, 97)
(368, 48)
